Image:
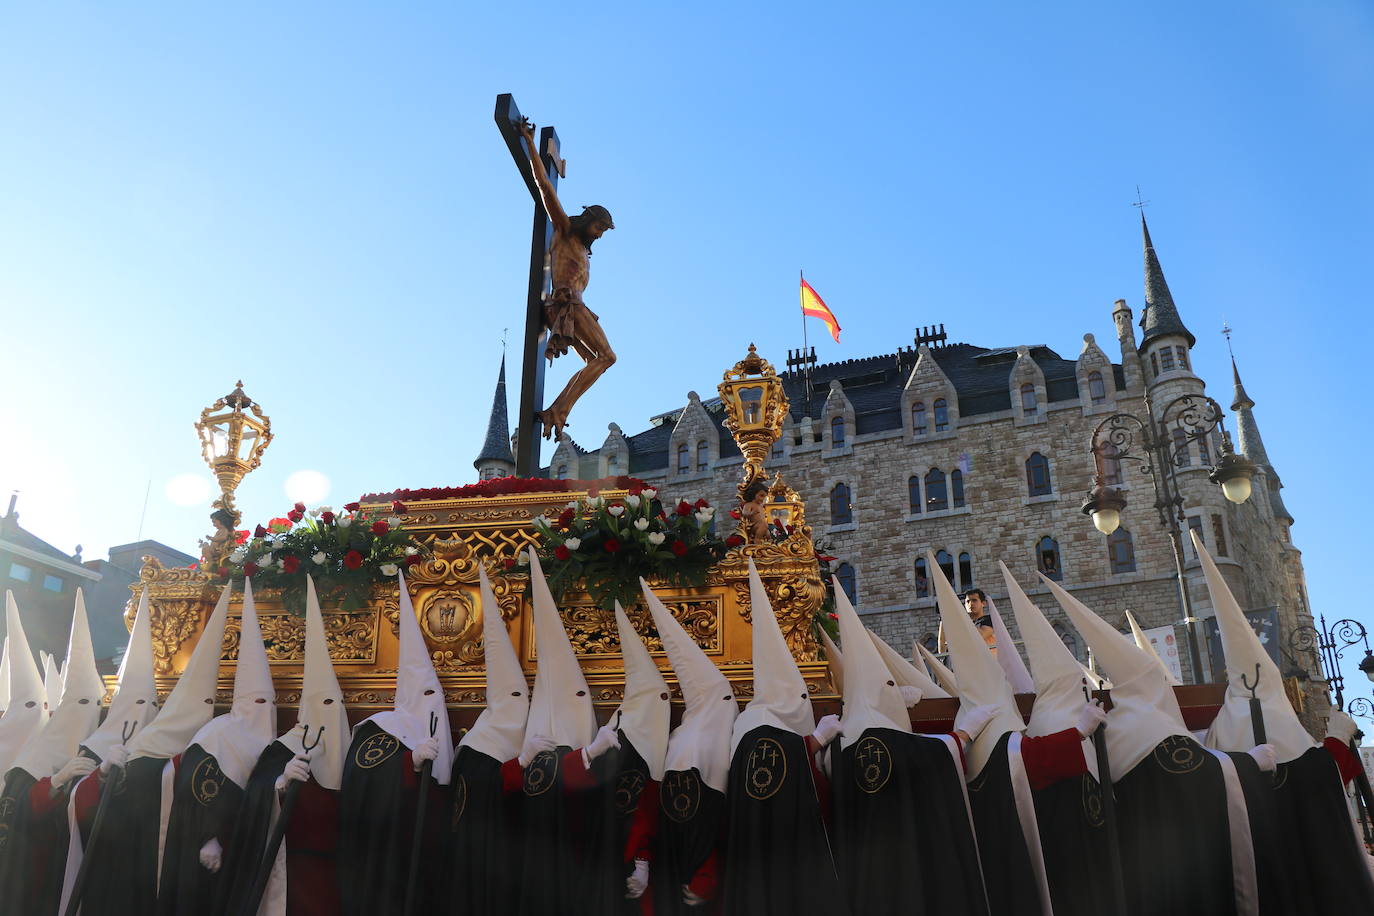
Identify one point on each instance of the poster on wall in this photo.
(1165, 643)
(1265, 623)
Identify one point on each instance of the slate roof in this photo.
(1160, 316)
(496, 447)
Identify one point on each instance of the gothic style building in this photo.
(984, 454)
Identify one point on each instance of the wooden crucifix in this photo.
(556, 319)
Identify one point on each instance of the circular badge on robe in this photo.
(376, 750)
(679, 795)
(628, 787)
(542, 773)
(872, 764)
(7, 809)
(460, 799)
(1280, 775)
(1092, 801)
(206, 781)
(765, 769)
(1177, 755)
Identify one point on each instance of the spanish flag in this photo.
(812, 304)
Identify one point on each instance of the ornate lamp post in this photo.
(1327, 645)
(232, 441)
(755, 408)
(1159, 443)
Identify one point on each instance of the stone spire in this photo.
(1250, 444)
(1160, 316)
(495, 459)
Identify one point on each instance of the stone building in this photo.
(980, 454)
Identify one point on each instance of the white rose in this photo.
(632, 501)
(264, 560)
(650, 493)
(596, 502)
(394, 522)
(239, 554)
(641, 524)
(572, 543)
(412, 551)
(702, 516)
(709, 511)
(523, 559)
(388, 569)
(657, 538)
(345, 521)
(318, 558)
(617, 511)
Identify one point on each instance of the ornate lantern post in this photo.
(755, 408)
(232, 442)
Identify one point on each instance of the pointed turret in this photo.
(1251, 445)
(495, 459)
(1160, 316)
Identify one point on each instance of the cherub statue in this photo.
(219, 545)
(570, 323)
(754, 513)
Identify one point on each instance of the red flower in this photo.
(224, 572)
(249, 568)
(635, 488)
(299, 507)
(508, 561)
(562, 552)
(833, 616)
(398, 507)
(702, 504)
(194, 566)
(295, 516)
(327, 517)
(416, 558)
(380, 527)
(679, 548)
(259, 532)
(351, 507)
(241, 537)
(290, 564)
(353, 559)
(734, 513)
(611, 545)
(734, 540)
(565, 518)
(684, 508)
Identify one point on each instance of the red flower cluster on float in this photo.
(505, 486)
(380, 526)
(290, 564)
(679, 548)
(353, 559)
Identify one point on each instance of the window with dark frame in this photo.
(845, 575)
(684, 458)
(1038, 475)
(562, 472)
(703, 455)
(20, 572)
(52, 583)
(913, 493)
(840, 512)
(1121, 551)
(1183, 456)
(1195, 524)
(1219, 535)
(956, 488)
(1204, 452)
(1154, 362)
(1166, 359)
(837, 432)
(1097, 391)
(922, 579)
(936, 497)
(941, 415)
(1182, 356)
(1047, 558)
(965, 570)
(918, 418)
(946, 564)
(1029, 403)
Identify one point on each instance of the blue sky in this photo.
(315, 200)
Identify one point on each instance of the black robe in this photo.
(1074, 845)
(903, 841)
(483, 879)
(551, 848)
(252, 826)
(122, 875)
(1011, 882)
(691, 822)
(204, 805)
(1275, 889)
(1324, 864)
(17, 882)
(777, 855)
(1174, 830)
(621, 777)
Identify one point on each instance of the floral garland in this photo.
(346, 553)
(605, 547)
(505, 486)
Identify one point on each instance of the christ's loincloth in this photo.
(561, 310)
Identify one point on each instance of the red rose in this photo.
(299, 507)
(353, 559)
(684, 508)
(702, 504)
(259, 532)
(565, 518)
(327, 517)
(562, 552)
(679, 548)
(249, 568)
(508, 561)
(611, 545)
(241, 537)
(380, 527)
(734, 513)
(290, 564)
(398, 507)
(351, 507)
(734, 540)
(414, 558)
(295, 516)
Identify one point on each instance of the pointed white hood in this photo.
(780, 695)
(322, 703)
(77, 708)
(1232, 729)
(500, 729)
(871, 697)
(1143, 643)
(135, 698)
(701, 740)
(938, 670)
(52, 680)
(981, 680)
(192, 701)
(419, 695)
(835, 659)
(5, 676)
(904, 672)
(644, 714)
(561, 707)
(236, 739)
(1007, 656)
(1144, 708)
(26, 715)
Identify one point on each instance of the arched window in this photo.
(946, 564)
(918, 418)
(1070, 641)
(845, 575)
(1047, 558)
(956, 488)
(1109, 464)
(913, 493)
(1182, 454)
(1121, 551)
(703, 455)
(941, 415)
(562, 472)
(840, 513)
(965, 570)
(1029, 404)
(922, 579)
(1097, 392)
(936, 498)
(837, 432)
(684, 458)
(1038, 475)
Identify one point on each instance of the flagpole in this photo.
(806, 347)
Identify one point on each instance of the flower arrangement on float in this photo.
(346, 552)
(605, 546)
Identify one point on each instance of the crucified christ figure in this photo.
(570, 323)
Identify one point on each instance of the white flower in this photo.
(641, 524)
(702, 516)
(649, 493)
(572, 543)
(572, 505)
(709, 511)
(657, 537)
(345, 520)
(542, 522)
(318, 558)
(523, 559)
(315, 512)
(617, 511)
(264, 560)
(281, 564)
(324, 509)
(394, 522)
(239, 554)
(632, 501)
(412, 551)
(596, 502)
(388, 569)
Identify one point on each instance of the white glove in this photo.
(427, 749)
(534, 746)
(1265, 756)
(690, 898)
(605, 739)
(211, 854)
(910, 695)
(72, 770)
(116, 756)
(1090, 717)
(975, 720)
(827, 729)
(1340, 726)
(297, 769)
(638, 881)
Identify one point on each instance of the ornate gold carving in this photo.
(756, 407)
(352, 636)
(179, 600)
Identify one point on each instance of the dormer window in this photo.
(684, 458)
(703, 455)
(1029, 403)
(1097, 391)
(918, 418)
(837, 432)
(941, 415)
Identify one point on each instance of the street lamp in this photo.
(1162, 440)
(233, 432)
(755, 409)
(1328, 644)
